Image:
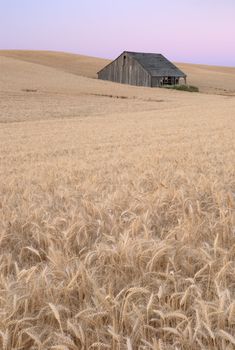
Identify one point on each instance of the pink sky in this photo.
(198, 31)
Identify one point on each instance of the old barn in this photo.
(142, 69)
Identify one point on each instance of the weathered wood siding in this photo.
(126, 70)
(156, 81)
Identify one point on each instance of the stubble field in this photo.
(117, 209)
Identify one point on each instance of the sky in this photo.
(194, 31)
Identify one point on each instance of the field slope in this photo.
(117, 209)
(209, 79)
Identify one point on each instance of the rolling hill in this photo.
(209, 79)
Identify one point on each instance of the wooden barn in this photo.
(142, 69)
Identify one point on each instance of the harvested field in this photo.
(117, 211)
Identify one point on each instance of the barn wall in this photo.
(156, 81)
(126, 70)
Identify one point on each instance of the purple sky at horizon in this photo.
(193, 31)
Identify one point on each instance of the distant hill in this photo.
(67, 62)
(209, 79)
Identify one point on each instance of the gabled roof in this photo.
(156, 64)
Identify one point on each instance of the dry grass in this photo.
(209, 79)
(117, 224)
(66, 62)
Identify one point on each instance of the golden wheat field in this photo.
(117, 208)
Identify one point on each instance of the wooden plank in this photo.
(125, 69)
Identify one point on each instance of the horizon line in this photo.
(113, 58)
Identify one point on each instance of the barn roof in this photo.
(156, 64)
